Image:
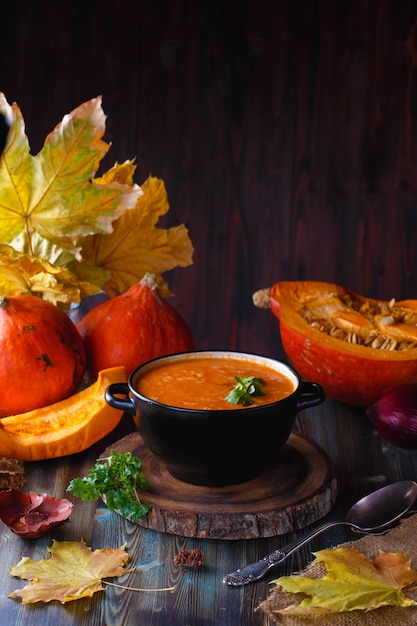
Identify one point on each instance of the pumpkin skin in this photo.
(132, 328)
(65, 427)
(351, 373)
(42, 356)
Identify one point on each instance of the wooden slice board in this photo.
(298, 489)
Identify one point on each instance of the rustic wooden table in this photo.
(363, 462)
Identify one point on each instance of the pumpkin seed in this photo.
(377, 342)
(410, 318)
(387, 320)
(337, 332)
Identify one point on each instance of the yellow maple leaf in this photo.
(136, 245)
(54, 210)
(73, 571)
(49, 202)
(120, 172)
(22, 273)
(352, 582)
(52, 193)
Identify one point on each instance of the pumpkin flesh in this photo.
(66, 427)
(351, 373)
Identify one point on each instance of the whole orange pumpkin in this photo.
(132, 328)
(42, 356)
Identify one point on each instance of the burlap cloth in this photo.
(402, 538)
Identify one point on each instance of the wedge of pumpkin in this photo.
(65, 427)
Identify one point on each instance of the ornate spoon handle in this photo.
(257, 570)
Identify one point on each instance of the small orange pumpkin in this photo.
(132, 328)
(357, 348)
(42, 356)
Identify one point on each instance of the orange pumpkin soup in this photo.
(204, 382)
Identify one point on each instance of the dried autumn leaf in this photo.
(49, 201)
(32, 514)
(73, 571)
(23, 273)
(54, 210)
(12, 473)
(136, 245)
(352, 582)
(52, 193)
(120, 172)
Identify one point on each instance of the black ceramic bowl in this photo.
(214, 447)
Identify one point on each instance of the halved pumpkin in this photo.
(65, 427)
(328, 331)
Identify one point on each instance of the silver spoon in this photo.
(376, 511)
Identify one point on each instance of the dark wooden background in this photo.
(285, 132)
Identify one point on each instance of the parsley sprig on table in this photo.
(245, 388)
(118, 478)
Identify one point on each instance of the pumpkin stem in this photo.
(149, 280)
(262, 298)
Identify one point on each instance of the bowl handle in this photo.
(119, 403)
(310, 395)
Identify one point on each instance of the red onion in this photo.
(395, 416)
